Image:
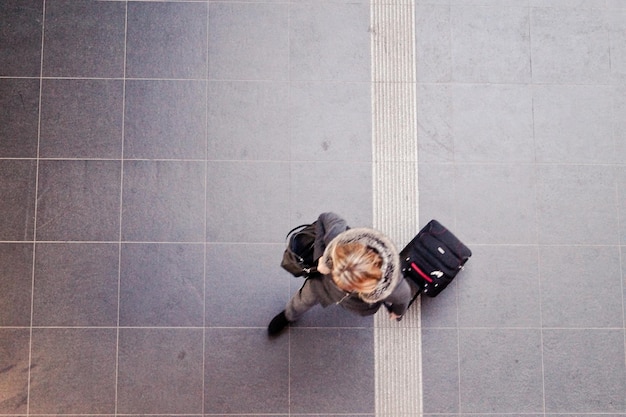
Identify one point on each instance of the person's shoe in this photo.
(277, 324)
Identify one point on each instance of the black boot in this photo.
(277, 324)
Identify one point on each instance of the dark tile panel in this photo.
(81, 119)
(163, 201)
(584, 370)
(160, 371)
(165, 119)
(167, 40)
(331, 316)
(245, 285)
(84, 38)
(245, 372)
(247, 201)
(78, 200)
(16, 281)
(162, 285)
(500, 371)
(334, 364)
(20, 37)
(73, 371)
(14, 356)
(76, 284)
(19, 101)
(17, 199)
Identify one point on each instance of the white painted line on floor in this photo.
(395, 199)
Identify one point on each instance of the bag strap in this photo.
(302, 226)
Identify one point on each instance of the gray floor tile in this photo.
(244, 285)
(160, 371)
(166, 40)
(500, 288)
(16, 281)
(331, 316)
(432, 26)
(161, 285)
(165, 119)
(19, 100)
(246, 372)
(616, 20)
(576, 204)
(329, 41)
(84, 39)
(330, 121)
(14, 345)
(75, 284)
(340, 376)
(247, 201)
(512, 219)
(574, 124)
(584, 370)
(248, 120)
(442, 311)
(248, 41)
(569, 45)
(434, 110)
(568, 274)
(78, 200)
(619, 120)
(73, 371)
(437, 185)
(440, 369)
(502, 118)
(499, 371)
(490, 44)
(20, 42)
(17, 202)
(338, 186)
(156, 208)
(81, 119)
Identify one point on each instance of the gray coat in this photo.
(393, 290)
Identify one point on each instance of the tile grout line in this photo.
(398, 386)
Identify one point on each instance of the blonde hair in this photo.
(355, 267)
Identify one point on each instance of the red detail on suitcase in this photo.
(419, 271)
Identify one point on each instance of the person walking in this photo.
(358, 269)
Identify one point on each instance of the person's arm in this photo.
(398, 302)
(328, 226)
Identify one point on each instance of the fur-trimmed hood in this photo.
(386, 249)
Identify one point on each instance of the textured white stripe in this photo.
(394, 147)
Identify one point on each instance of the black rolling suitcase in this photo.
(433, 258)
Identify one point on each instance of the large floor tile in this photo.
(246, 372)
(19, 100)
(434, 130)
(160, 371)
(507, 215)
(576, 204)
(78, 200)
(75, 284)
(20, 40)
(621, 202)
(433, 54)
(331, 316)
(16, 283)
(501, 370)
(329, 42)
(584, 370)
(443, 311)
(321, 368)
(578, 286)
(440, 370)
(17, 205)
(161, 285)
(15, 347)
(81, 119)
(569, 45)
(245, 285)
(500, 288)
(574, 124)
(248, 120)
(73, 372)
(166, 40)
(84, 38)
(165, 119)
(248, 41)
(330, 121)
(156, 205)
(490, 44)
(247, 201)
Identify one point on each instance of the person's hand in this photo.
(322, 268)
(394, 316)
